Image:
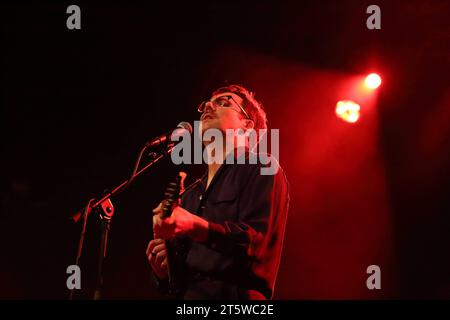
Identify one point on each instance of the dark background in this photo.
(78, 105)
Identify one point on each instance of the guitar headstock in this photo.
(172, 194)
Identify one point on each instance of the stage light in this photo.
(348, 110)
(372, 81)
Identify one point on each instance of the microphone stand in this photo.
(105, 209)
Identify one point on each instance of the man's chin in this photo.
(207, 124)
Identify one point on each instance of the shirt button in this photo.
(200, 198)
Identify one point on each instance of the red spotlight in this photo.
(348, 110)
(372, 81)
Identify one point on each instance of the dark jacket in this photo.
(247, 215)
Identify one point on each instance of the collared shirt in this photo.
(246, 212)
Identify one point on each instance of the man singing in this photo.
(232, 223)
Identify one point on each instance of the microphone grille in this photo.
(185, 125)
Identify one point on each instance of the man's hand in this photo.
(180, 223)
(157, 256)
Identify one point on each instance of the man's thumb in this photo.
(158, 209)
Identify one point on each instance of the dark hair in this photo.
(251, 106)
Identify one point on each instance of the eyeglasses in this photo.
(224, 102)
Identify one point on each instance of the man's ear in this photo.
(249, 124)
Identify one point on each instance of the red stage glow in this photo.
(372, 81)
(348, 110)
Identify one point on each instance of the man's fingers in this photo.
(149, 248)
(154, 251)
(160, 257)
(152, 244)
(159, 262)
(159, 247)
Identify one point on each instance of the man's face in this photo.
(223, 113)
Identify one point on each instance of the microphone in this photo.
(181, 129)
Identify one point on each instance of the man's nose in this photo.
(209, 106)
